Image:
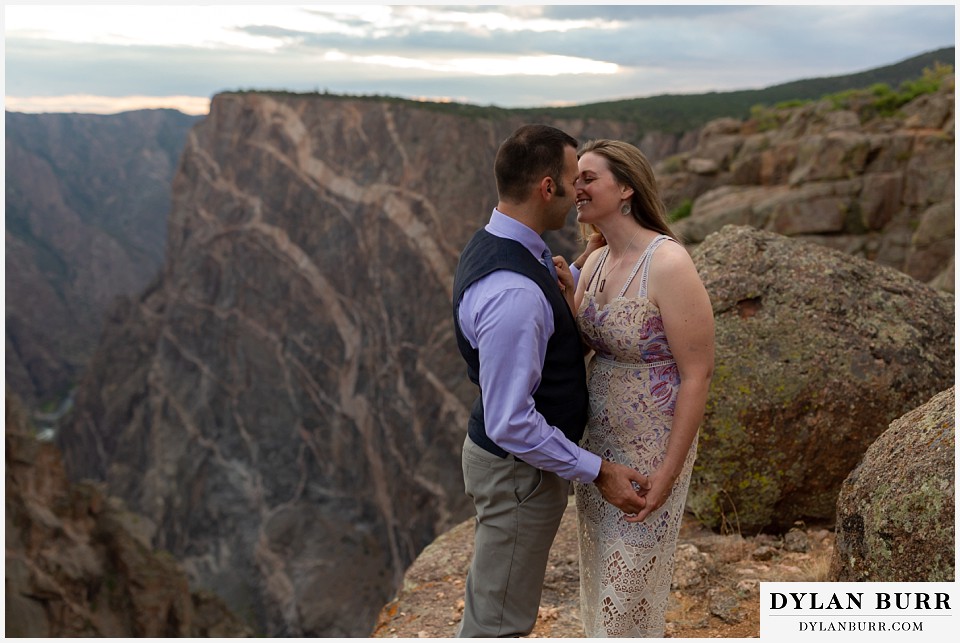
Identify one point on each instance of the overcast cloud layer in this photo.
(511, 56)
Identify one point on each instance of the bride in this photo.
(643, 310)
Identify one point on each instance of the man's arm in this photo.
(510, 322)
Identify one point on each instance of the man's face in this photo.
(565, 194)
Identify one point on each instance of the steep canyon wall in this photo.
(87, 199)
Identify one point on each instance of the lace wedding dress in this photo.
(626, 568)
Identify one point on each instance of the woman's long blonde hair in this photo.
(631, 168)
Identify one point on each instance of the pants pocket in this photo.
(473, 455)
(527, 481)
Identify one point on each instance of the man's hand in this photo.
(616, 484)
(565, 280)
(661, 484)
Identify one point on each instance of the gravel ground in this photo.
(715, 594)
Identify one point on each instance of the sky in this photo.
(111, 58)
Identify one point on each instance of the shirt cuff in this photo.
(588, 467)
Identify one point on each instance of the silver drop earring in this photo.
(625, 208)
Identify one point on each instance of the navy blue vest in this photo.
(562, 395)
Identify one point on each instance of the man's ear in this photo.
(546, 186)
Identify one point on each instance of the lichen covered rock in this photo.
(895, 513)
(817, 351)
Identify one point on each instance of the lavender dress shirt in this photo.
(506, 317)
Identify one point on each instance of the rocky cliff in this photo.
(286, 404)
(77, 564)
(87, 198)
(836, 171)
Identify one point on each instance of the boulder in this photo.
(814, 208)
(895, 513)
(834, 156)
(944, 280)
(817, 351)
(933, 242)
(727, 204)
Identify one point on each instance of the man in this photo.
(521, 344)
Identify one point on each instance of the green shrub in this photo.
(877, 100)
(672, 164)
(790, 104)
(682, 211)
(767, 118)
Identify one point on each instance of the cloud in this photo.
(512, 56)
(630, 13)
(88, 104)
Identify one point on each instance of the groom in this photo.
(522, 348)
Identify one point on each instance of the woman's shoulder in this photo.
(672, 253)
(672, 269)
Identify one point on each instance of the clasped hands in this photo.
(633, 493)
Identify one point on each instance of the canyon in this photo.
(282, 403)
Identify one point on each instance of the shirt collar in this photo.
(502, 225)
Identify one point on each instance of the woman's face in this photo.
(598, 193)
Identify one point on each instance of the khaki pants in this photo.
(519, 509)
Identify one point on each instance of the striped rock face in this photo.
(286, 403)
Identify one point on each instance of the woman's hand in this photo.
(565, 281)
(661, 484)
(595, 242)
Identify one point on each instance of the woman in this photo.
(643, 310)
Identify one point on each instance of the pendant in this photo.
(602, 283)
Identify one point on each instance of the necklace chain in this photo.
(603, 280)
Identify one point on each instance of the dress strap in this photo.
(644, 278)
(603, 260)
(642, 261)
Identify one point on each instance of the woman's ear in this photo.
(626, 192)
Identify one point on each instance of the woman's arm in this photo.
(587, 263)
(676, 288)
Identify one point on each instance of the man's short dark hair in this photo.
(529, 154)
